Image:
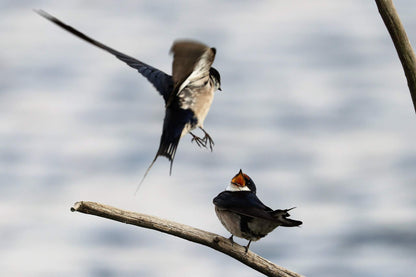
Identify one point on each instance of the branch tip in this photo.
(76, 207)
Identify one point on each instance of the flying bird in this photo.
(244, 215)
(188, 93)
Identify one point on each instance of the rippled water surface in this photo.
(314, 107)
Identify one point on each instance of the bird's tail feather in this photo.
(167, 150)
(145, 174)
(283, 215)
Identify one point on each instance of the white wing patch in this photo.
(200, 71)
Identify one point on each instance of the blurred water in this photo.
(314, 107)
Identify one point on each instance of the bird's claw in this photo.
(248, 245)
(203, 142)
(208, 140)
(231, 239)
(200, 142)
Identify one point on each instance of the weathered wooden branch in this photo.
(401, 42)
(212, 240)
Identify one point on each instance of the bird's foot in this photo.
(231, 239)
(248, 245)
(201, 142)
(207, 140)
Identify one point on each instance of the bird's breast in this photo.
(197, 99)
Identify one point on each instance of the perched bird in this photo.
(188, 93)
(244, 215)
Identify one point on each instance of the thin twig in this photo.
(212, 240)
(401, 42)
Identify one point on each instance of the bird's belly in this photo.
(245, 227)
(260, 227)
(231, 221)
(201, 109)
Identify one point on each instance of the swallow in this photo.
(188, 93)
(244, 215)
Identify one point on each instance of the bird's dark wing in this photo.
(244, 203)
(160, 80)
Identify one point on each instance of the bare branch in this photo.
(401, 42)
(212, 240)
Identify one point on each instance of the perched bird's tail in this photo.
(283, 215)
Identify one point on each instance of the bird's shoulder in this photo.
(240, 200)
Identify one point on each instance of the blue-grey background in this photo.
(315, 108)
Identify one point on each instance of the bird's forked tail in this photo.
(283, 215)
(167, 150)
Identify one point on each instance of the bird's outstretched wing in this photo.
(160, 80)
(191, 65)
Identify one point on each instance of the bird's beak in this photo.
(239, 180)
(219, 89)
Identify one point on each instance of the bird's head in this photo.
(241, 182)
(216, 78)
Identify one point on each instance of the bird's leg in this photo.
(200, 142)
(231, 239)
(248, 245)
(207, 139)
